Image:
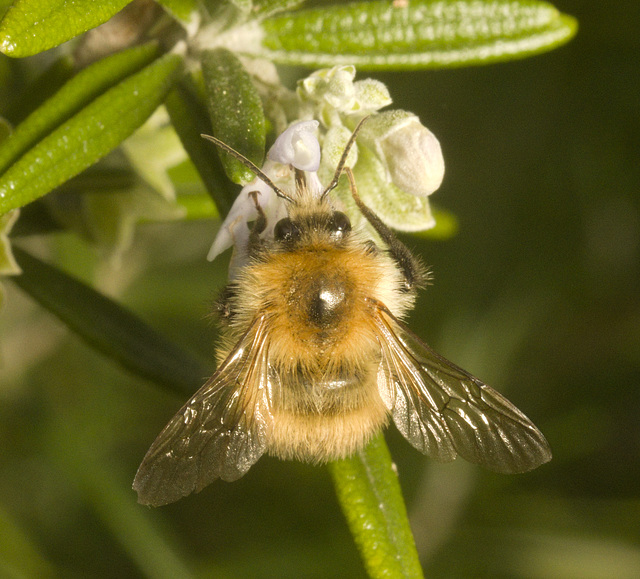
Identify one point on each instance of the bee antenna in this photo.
(259, 173)
(343, 157)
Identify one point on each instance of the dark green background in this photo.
(538, 294)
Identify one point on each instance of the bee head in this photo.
(333, 226)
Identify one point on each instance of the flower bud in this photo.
(410, 152)
(333, 145)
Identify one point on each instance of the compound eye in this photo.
(339, 224)
(286, 230)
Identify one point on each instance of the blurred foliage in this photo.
(538, 294)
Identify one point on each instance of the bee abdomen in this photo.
(327, 423)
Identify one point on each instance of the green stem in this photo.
(371, 499)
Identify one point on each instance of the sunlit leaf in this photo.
(33, 26)
(88, 135)
(75, 94)
(408, 35)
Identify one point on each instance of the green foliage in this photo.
(414, 35)
(72, 97)
(182, 9)
(108, 327)
(368, 490)
(63, 167)
(95, 130)
(236, 111)
(33, 26)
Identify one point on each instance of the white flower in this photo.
(234, 230)
(298, 147)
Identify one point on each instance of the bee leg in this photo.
(413, 271)
(260, 224)
(222, 304)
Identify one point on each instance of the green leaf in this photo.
(236, 111)
(412, 35)
(264, 8)
(75, 94)
(190, 120)
(184, 10)
(108, 326)
(33, 26)
(30, 96)
(370, 496)
(88, 135)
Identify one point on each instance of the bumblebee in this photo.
(315, 360)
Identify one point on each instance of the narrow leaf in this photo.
(33, 26)
(75, 94)
(409, 35)
(89, 135)
(108, 326)
(236, 111)
(190, 120)
(30, 96)
(370, 496)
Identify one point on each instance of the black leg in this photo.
(412, 269)
(255, 243)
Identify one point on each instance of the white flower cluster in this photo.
(401, 162)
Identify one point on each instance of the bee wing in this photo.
(444, 411)
(219, 433)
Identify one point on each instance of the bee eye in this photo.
(286, 230)
(339, 224)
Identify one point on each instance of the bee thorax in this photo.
(326, 301)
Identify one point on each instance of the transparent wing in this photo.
(219, 433)
(444, 411)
